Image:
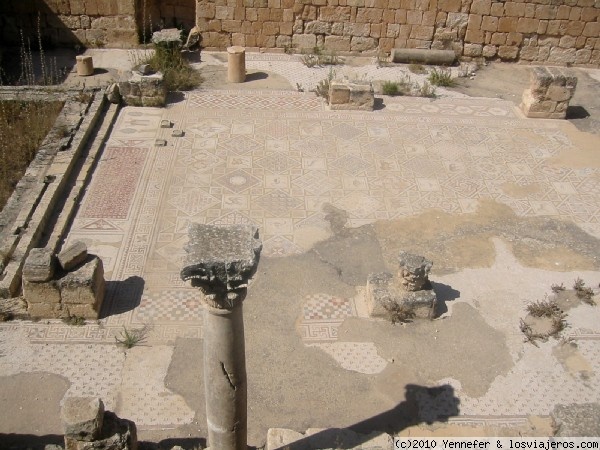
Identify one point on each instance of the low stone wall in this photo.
(90, 23)
(537, 31)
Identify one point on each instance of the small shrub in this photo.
(442, 77)
(320, 57)
(178, 74)
(543, 308)
(557, 288)
(399, 313)
(417, 69)
(310, 60)
(390, 88)
(584, 293)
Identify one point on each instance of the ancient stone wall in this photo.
(90, 23)
(159, 14)
(552, 31)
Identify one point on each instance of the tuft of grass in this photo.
(426, 90)
(131, 338)
(23, 127)
(322, 89)
(178, 74)
(399, 313)
(442, 77)
(544, 308)
(547, 309)
(584, 293)
(417, 69)
(556, 288)
(390, 88)
(320, 57)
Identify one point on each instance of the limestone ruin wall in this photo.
(561, 32)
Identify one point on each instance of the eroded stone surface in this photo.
(220, 260)
(414, 271)
(550, 92)
(73, 255)
(83, 417)
(351, 95)
(39, 265)
(83, 289)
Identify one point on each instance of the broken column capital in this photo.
(413, 271)
(220, 261)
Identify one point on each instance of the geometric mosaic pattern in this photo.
(322, 315)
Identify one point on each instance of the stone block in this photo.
(472, 50)
(481, 7)
(84, 286)
(44, 292)
(301, 41)
(337, 43)
(82, 418)
(361, 44)
(144, 90)
(384, 294)
(508, 52)
(45, 310)
(348, 95)
(72, 256)
(168, 38)
(39, 265)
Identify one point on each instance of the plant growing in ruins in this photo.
(320, 57)
(417, 69)
(131, 338)
(544, 308)
(74, 320)
(322, 89)
(399, 313)
(584, 293)
(556, 288)
(390, 88)
(548, 310)
(178, 74)
(442, 77)
(425, 90)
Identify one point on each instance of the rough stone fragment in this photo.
(84, 286)
(72, 256)
(414, 271)
(168, 37)
(82, 418)
(220, 260)
(160, 143)
(112, 93)
(39, 265)
(165, 123)
(116, 434)
(177, 133)
(13, 308)
(550, 92)
(144, 69)
(144, 90)
(348, 95)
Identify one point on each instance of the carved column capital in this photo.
(220, 261)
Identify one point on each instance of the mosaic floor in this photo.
(274, 159)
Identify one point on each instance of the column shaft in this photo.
(225, 378)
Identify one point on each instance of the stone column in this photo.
(85, 65)
(220, 261)
(236, 64)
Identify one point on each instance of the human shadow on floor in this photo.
(444, 294)
(122, 296)
(422, 404)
